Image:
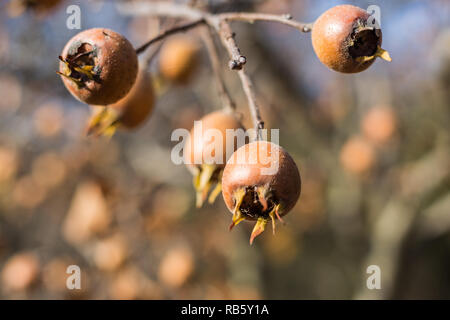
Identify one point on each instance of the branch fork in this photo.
(220, 23)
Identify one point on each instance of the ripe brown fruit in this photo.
(345, 41)
(379, 124)
(208, 172)
(260, 182)
(98, 66)
(129, 112)
(178, 59)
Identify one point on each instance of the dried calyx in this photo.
(365, 43)
(207, 182)
(98, 66)
(103, 122)
(81, 64)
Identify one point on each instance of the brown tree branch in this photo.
(247, 85)
(174, 10)
(220, 23)
(237, 60)
(160, 9)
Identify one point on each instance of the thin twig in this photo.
(227, 37)
(159, 9)
(216, 66)
(251, 17)
(178, 29)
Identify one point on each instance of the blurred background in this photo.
(372, 149)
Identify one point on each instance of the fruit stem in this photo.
(218, 22)
(247, 85)
(237, 62)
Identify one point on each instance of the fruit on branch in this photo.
(357, 155)
(379, 124)
(346, 40)
(98, 66)
(261, 183)
(205, 156)
(178, 59)
(17, 7)
(129, 112)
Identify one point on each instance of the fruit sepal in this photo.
(207, 178)
(263, 196)
(380, 53)
(103, 122)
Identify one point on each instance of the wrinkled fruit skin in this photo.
(252, 194)
(106, 64)
(206, 175)
(343, 40)
(178, 59)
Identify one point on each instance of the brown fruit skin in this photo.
(332, 35)
(178, 59)
(220, 120)
(137, 105)
(116, 66)
(285, 184)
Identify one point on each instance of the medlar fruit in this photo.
(260, 182)
(98, 66)
(345, 41)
